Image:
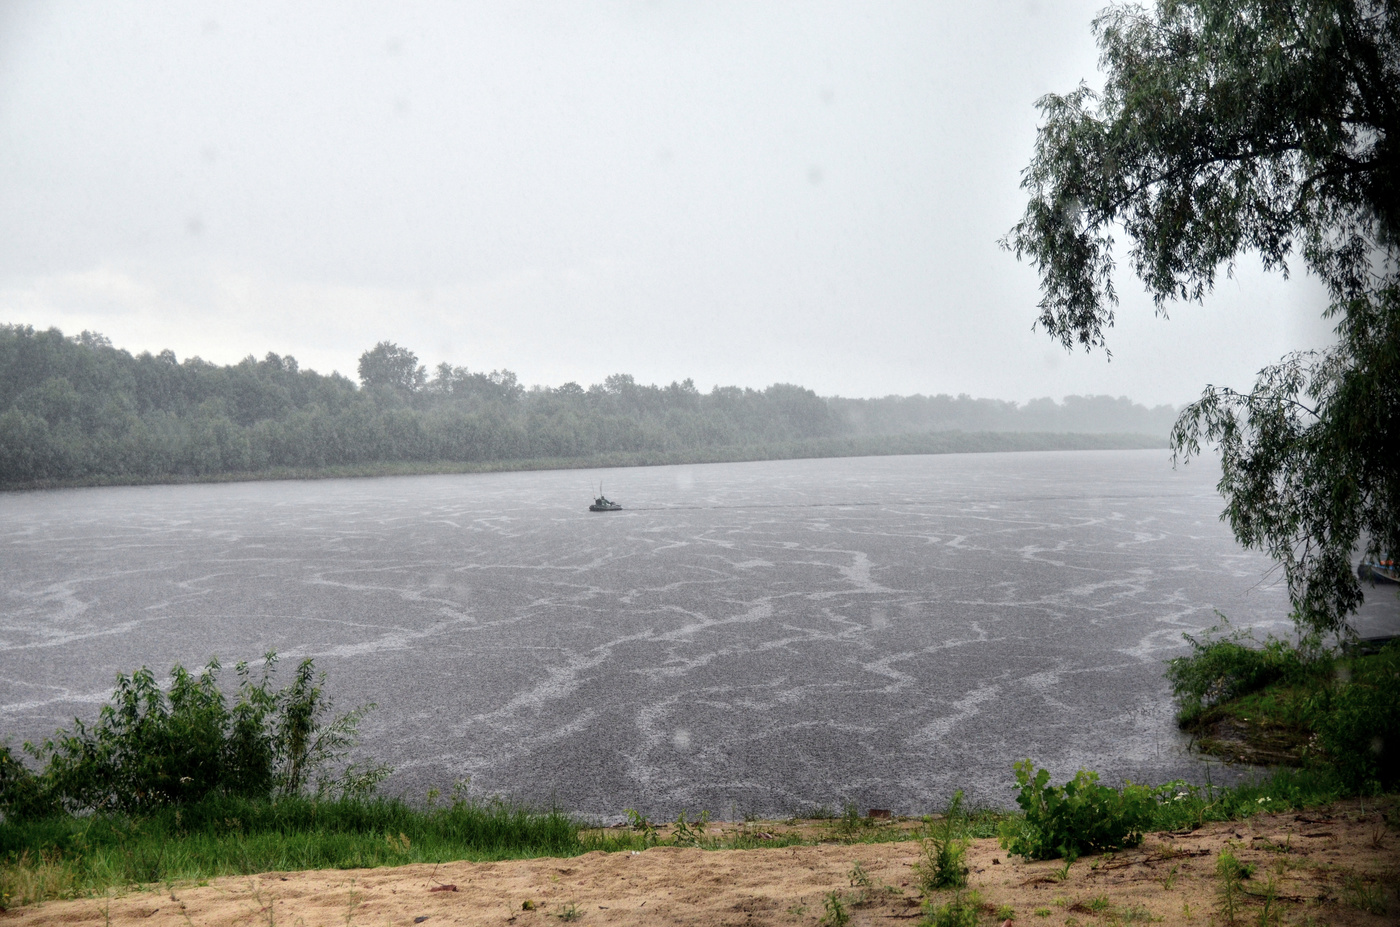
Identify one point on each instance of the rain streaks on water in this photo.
(756, 637)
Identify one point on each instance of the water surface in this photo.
(753, 637)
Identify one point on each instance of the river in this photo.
(748, 638)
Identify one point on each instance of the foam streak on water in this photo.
(741, 638)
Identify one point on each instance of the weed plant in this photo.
(963, 910)
(1230, 893)
(688, 831)
(1078, 817)
(942, 865)
(849, 826)
(836, 914)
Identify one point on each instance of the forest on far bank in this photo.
(77, 409)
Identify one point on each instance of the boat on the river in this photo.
(1385, 571)
(604, 504)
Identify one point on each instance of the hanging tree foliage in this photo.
(1234, 126)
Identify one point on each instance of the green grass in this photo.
(68, 856)
(1185, 806)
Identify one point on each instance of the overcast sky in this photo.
(741, 193)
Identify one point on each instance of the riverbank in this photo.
(1333, 865)
(939, 442)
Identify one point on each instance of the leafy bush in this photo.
(1078, 817)
(1357, 721)
(151, 748)
(1223, 668)
(1347, 707)
(22, 794)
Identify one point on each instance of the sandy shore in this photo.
(1339, 866)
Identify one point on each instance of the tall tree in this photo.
(387, 364)
(1234, 126)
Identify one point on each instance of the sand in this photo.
(1340, 866)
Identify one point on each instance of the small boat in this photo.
(1379, 571)
(604, 504)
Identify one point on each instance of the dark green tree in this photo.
(1233, 126)
(387, 364)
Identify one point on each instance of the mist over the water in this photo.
(757, 637)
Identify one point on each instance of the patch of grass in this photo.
(963, 910)
(64, 857)
(850, 825)
(1364, 895)
(1181, 805)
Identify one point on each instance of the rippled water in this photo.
(755, 637)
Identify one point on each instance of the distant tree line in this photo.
(897, 415)
(78, 409)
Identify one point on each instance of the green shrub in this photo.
(150, 748)
(23, 795)
(1357, 721)
(964, 910)
(1078, 817)
(942, 864)
(1223, 668)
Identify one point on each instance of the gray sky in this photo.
(742, 193)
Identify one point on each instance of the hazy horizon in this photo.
(736, 193)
